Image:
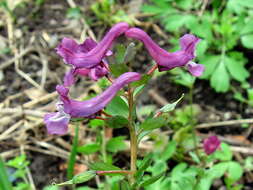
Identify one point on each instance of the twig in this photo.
(11, 129)
(9, 153)
(159, 99)
(25, 76)
(203, 7)
(35, 113)
(49, 152)
(29, 175)
(224, 123)
(40, 100)
(243, 150)
(11, 61)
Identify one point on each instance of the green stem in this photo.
(194, 132)
(72, 158)
(103, 149)
(113, 172)
(133, 137)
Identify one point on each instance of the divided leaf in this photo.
(153, 123)
(117, 122)
(116, 144)
(88, 148)
(117, 107)
(236, 69)
(220, 80)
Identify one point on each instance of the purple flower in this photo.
(94, 73)
(57, 122)
(89, 54)
(211, 144)
(165, 60)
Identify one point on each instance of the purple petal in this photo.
(195, 69)
(56, 123)
(211, 144)
(87, 45)
(165, 60)
(82, 71)
(90, 55)
(188, 44)
(69, 78)
(89, 107)
(66, 49)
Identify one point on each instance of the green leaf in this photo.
(80, 178)
(51, 188)
(88, 148)
(201, 48)
(130, 53)
(250, 94)
(120, 53)
(152, 180)
(117, 122)
(170, 149)
(172, 106)
(247, 41)
(124, 185)
(217, 171)
(182, 177)
(210, 63)
(248, 28)
(138, 90)
(202, 29)
(194, 157)
(146, 162)
(234, 171)
(96, 123)
(220, 78)
(117, 107)
(5, 184)
(101, 166)
(118, 69)
(185, 4)
(116, 144)
(225, 154)
(144, 80)
(176, 21)
(153, 123)
(236, 69)
(248, 163)
(74, 13)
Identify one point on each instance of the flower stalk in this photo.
(133, 136)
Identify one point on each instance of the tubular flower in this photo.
(211, 144)
(57, 122)
(165, 60)
(89, 54)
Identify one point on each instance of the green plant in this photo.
(19, 164)
(108, 12)
(222, 27)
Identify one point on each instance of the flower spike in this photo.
(165, 60)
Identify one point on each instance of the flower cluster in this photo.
(89, 59)
(211, 144)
